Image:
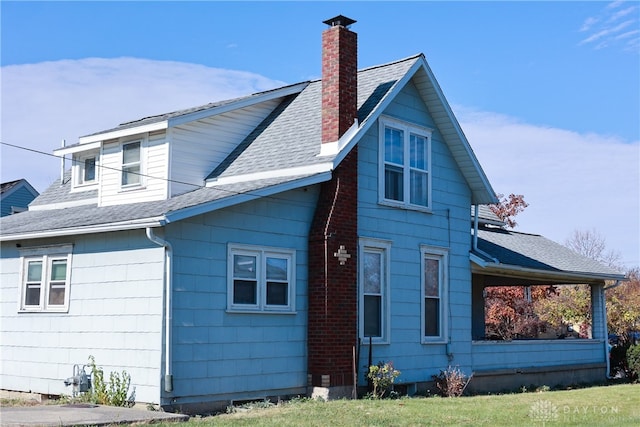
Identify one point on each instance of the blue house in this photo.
(15, 196)
(264, 246)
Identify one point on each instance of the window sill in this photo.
(365, 342)
(41, 310)
(405, 206)
(132, 188)
(84, 187)
(246, 311)
(434, 341)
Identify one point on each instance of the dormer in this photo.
(85, 165)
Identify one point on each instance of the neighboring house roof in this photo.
(257, 165)
(16, 195)
(535, 258)
(486, 216)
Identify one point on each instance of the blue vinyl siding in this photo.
(447, 226)
(221, 355)
(20, 198)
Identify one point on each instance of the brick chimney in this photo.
(339, 78)
(332, 335)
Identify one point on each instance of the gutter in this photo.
(168, 261)
(91, 229)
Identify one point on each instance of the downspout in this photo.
(475, 236)
(168, 260)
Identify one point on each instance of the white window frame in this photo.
(382, 247)
(46, 255)
(261, 253)
(139, 163)
(442, 256)
(407, 129)
(78, 166)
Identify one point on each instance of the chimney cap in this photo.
(339, 20)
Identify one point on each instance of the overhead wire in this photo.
(197, 186)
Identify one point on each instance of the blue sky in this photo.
(548, 93)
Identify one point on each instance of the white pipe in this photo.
(64, 143)
(475, 236)
(168, 377)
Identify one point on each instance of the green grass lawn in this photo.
(617, 405)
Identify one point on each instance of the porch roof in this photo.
(531, 258)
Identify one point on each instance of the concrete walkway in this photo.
(81, 415)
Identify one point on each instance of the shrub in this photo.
(112, 393)
(382, 376)
(451, 382)
(633, 361)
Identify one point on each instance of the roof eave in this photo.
(204, 208)
(241, 103)
(90, 229)
(480, 265)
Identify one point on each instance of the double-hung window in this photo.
(131, 164)
(434, 294)
(374, 290)
(405, 165)
(261, 279)
(46, 274)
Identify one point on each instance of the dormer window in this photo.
(131, 164)
(89, 170)
(405, 165)
(85, 166)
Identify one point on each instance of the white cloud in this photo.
(571, 180)
(44, 103)
(605, 29)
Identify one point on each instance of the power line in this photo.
(230, 192)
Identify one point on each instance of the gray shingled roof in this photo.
(295, 127)
(532, 251)
(289, 137)
(91, 215)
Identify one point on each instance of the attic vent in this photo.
(339, 20)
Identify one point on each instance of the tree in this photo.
(623, 307)
(508, 207)
(567, 304)
(593, 245)
(510, 314)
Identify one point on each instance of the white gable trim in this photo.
(245, 197)
(120, 133)
(245, 102)
(76, 148)
(279, 173)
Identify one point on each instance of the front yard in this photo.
(595, 406)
